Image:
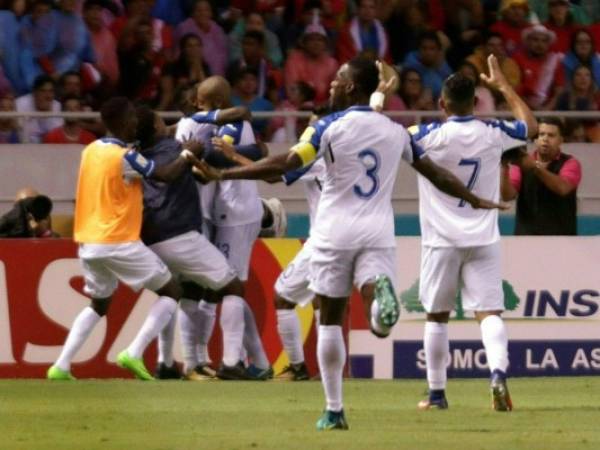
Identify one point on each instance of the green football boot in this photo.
(388, 308)
(331, 420)
(134, 365)
(55, 373)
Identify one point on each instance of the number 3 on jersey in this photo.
(370, 159)
(476, 163)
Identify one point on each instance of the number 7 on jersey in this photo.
(476, 163)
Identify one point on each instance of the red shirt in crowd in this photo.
(58, 136)
(510, 35)
(539, 77)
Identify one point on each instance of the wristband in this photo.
(206, 116)
(186, 154)
(376, 101)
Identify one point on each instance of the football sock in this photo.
(436, 345)
(189, 332)
(160, 313)
(83, 325)
(495, 341)
(205, 321)
(252, 342)
(232, 324)
(165, 342)
(288, 327)
(331, 354)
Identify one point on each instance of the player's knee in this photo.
(172, 289)
(440, 317)
(282, 303)
(235, 287)
(101, 305)
(480, 315)
(192, 290)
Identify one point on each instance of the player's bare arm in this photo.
(518, 107)
(448, 183)
(173, 170)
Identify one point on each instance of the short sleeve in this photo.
(571, 172)
(422, 138)
(312, 141)
(509, 134)
(515, 176)
(231, 133)
(136, 166)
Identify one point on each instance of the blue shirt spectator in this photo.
(582, 53)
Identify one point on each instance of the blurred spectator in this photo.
(542, 72)
(465, 22)
(213, 37)
(312, 63)
(29, 218)
(253, 58)
(9, 128)
(485, 102)
(32, 41)
(41, 99)
(10, 47)
(581, 94)
(140, 65)
(300, 97)
(414, 96)
(171, 12)
(594, 30)
(189, 69)
(254, 22)
(405, 26)
(363, 34)
(103, 41)
(493, 46)
(430, 62)
(71, 132)
(574, 131)
(545, 185)
(137, 10)
(541, 8)
(582, 53)
(561, 22)
(301, 14)
(591, 9)
(514, 20)
(246, 93)
(70, 85)
(62, 41)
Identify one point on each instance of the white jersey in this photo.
(237, 202)
(312, 177)
(471, 149)
(188, 128)
(362, 150)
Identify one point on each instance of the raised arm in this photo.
(518, 107)
(448, 183)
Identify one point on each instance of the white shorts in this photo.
(474, 270)
(194, 258)
(236, 243)
(332, 271)
(292, 283)
(104, 265)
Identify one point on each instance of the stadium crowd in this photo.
(70, 55)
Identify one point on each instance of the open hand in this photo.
(196, 147)
(206, 171)
(481, 203)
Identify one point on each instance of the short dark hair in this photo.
(113, 111)
(41, 80)
(430, 36)
(459, 91)
(145, 129)
(69, 73)
(364, 74)
(258, 36)
(69, 97)
(39, 206)
(558, 123)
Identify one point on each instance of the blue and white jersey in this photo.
(471, 149)
(362, 150)
(236, 202)
(312, 178)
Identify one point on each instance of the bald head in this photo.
(26, 192)
(212, 93)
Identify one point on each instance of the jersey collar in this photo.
(113, 140)
(461, 118)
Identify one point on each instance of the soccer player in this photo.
(171, 229)
(460, 244)
(353, 234)
(108, 219)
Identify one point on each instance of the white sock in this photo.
(232, 325)
(288, 326)
(161, 312)
(82, 326)
(189, 332)
(252, 342)
(205, 321)
(495, 341)
(437, 346)
(317, 314)
(331, 354)
(166, 337)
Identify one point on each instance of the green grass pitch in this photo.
(550, 413)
